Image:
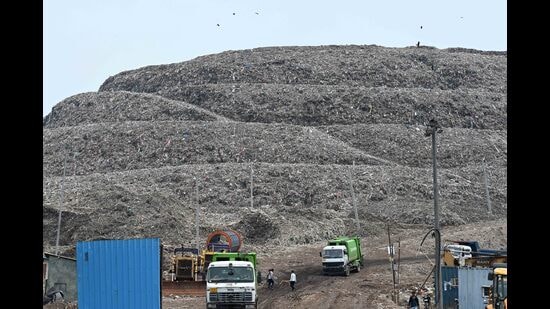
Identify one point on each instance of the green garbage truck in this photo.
(232, 280)
(342, 255)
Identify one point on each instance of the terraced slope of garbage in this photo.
(299, 127)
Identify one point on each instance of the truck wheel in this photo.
(347, 270)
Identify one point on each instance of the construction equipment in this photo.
(226, 241)
(474, 256)
(478, 251)
(452, 254)
(218, 241)
(498, 298)
(186, 266)
(342, 255)
(459, 250)
(189, 265)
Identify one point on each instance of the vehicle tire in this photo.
(347, 270)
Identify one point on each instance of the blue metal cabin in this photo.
(473, 285)
(119, 274)
(466, 287)
(449, 292)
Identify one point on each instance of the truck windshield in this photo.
(332, 253)
(233, 274)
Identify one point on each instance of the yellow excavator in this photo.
(499, 291)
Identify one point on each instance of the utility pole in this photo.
(60, 206)
(251, 187)
(432, 128)
(486, 181)
(398, 258)
(197, 216)
(74, 162)
(391, 252)
(353, 198)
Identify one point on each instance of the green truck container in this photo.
(235, 256)
(342, 255)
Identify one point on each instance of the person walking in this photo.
(270, 279)
(292, 280)
(413, 301)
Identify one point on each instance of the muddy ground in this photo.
(372, 286)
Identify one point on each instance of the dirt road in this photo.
(371, 287)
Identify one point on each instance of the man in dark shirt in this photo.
(413, 301)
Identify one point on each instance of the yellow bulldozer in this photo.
(186, 265)
(190, 264)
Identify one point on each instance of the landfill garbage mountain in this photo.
(287, 145)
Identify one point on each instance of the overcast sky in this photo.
(85, 42)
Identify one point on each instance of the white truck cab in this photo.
(335, 259)
(231, 283)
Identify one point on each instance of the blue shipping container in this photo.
(449, 292)
(119, 274)
(473, 282)
(464, 287)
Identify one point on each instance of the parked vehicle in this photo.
(478, 251)
(474, 255)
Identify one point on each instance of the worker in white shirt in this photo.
(292, 279)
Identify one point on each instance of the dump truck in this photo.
(342, 255)
(477, 256)
(232, 280)
(498, 296)
(478, 251)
